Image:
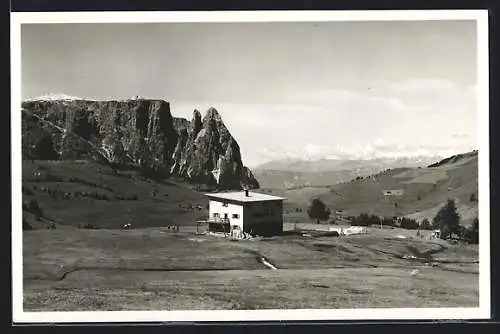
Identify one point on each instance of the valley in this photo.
(80, 194)
(71, 266)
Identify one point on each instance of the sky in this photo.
(305, 90)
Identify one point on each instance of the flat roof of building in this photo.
(240, 196)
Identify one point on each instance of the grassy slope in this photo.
(457, 180)
(138, 269)
(168, 207)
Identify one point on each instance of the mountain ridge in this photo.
(289, 174)
(138, 132)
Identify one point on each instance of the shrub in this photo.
(26, 225)
(35, 208)
(27, 191)
(88, 226)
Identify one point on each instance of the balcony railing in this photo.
(218, 220)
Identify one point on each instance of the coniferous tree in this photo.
(318, 210)
(425, 225)
(472, 233)
(447, 220)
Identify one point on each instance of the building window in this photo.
(235, 215)
(224, 204)
(216, 215)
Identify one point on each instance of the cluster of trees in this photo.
(447, 220)
(408, 223)
(365, 219)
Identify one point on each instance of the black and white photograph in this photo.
(224, 166)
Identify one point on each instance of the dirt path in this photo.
(267, 263)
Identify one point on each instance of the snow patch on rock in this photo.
(55, 97)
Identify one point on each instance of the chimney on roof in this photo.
(246, 192)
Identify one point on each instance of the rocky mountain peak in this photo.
(212, 114)
(137, 132)
(196, 122)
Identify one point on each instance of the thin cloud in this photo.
(386, 122)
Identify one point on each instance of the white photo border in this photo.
(481, 312)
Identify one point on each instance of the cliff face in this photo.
(136, 132)
(208, 153)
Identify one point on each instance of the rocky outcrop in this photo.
(136, 132)
(208, 153)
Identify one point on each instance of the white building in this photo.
(249, 212)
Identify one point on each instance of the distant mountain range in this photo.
(329, 165)
(294, 173)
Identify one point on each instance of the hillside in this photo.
(296, 173)
(413, 192)
(76, 193)
(135, 133)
